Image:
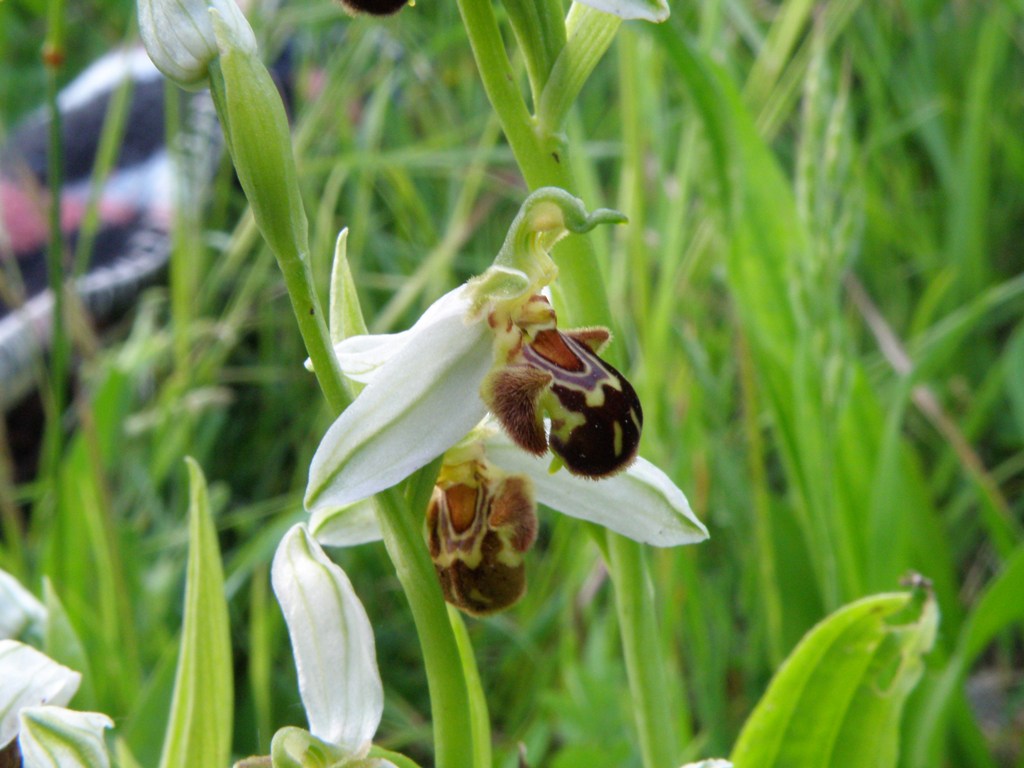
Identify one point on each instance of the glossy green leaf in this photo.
(199, 730)
(838, 698)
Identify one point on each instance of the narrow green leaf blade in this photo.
(199, 729)
(837, 699)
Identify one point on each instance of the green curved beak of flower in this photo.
(493, 344)
(335, 657)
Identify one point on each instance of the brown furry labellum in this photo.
(596, 418)
(479, 526)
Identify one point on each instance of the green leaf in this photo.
(837, 699)
(199, 730)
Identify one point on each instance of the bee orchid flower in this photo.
(491, 344)
(494, 345)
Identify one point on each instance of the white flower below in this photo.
(29, 678)
(19, 608)
(34, 690)
(333, 645)
(54, 737)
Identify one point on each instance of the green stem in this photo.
(543, 158)
(249, 107)
(477, 699)
(645, 667)
(53, 59)
(449, 697)
(499, 79)
(291, 252)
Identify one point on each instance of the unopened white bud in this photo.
(179, 35)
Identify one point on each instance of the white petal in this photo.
(360, 357)
(19, 608)
(640, 502)
(180, 38)
(54, 737)
(27, 679)
(346, 527)
(423, 400)
(332, 641)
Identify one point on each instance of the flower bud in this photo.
(180, 39)
(480, 523)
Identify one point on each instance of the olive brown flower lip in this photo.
(595, 415)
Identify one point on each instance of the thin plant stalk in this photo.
(401, 528)
(60, 351)
(543, 157)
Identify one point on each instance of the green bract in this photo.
(256, 128)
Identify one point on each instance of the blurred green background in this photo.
(818, 293)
